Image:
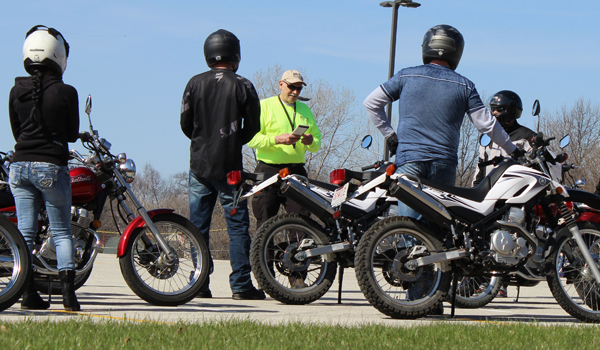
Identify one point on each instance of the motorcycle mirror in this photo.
(485, 140)
(565, 141)
(88, 111)
(536, 108)
(579, 183)
(536, 112)
(367, 141)
(88, 105)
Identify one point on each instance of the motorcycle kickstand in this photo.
(518, 291)
(454, 283)
(50, 290)
(340, 279)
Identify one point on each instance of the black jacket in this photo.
(220, 112)
(47, 140)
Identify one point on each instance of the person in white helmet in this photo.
(44, 117)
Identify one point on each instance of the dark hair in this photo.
(36, 79)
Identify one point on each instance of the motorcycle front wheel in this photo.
(569, 278)
(157, 280)
(277, 267)
(384, 271)
(15, 264)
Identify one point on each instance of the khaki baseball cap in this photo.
(292, 77)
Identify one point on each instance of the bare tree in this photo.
(582, 123)
(467, 154)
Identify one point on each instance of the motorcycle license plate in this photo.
(340, 195)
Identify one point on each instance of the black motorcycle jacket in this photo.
(516, 132)
(220, 112)
(44, 138)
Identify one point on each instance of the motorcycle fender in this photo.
(136, 223)
(589, 216)
(553, 240)
(580, 196)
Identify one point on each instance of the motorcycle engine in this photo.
(506, 246)
(80, 221)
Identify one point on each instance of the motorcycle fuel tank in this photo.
(84, 185)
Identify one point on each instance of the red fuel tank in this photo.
(84, 185)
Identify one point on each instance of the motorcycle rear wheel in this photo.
(475, 292)
(156, 281)
(278, 272)
(384, 279)
(15, 264)
(572, 284)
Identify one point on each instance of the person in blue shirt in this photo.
(433, 100)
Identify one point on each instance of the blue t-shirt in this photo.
(433, 101)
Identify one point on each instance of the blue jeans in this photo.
(203, 197)
(32, 182)
(442, 171)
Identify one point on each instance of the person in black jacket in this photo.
(507, 107)
(220, 113)
(44, 118)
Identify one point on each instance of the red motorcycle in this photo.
(163, 256)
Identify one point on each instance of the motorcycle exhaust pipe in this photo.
(49, 270)
(421, 202)
(299, 193)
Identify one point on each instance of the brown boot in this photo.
(31, 299)
(70, 302)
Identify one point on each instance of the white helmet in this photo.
(45, 47)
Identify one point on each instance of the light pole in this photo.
(395, 5)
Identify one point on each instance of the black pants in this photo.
(266, 204)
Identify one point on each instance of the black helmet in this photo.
(222, 46)
(508, 104)
(445, 43)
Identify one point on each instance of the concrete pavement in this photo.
(106, 296)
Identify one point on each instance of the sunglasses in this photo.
(499, 109)
(294, 87)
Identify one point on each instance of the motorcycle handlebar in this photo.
(84, 136)
(377, 165)
(368, 167)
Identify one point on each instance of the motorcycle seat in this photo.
(478, 193)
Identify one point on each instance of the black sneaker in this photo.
(250, 294)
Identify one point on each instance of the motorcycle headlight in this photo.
(127, 169)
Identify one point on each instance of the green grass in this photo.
(88, 334)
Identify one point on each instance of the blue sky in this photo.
(135, 57)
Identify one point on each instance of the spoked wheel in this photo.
(278, 264)
(15, 265)
(156, 279)
(570, 278)
(387, 272)
(475, 292)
